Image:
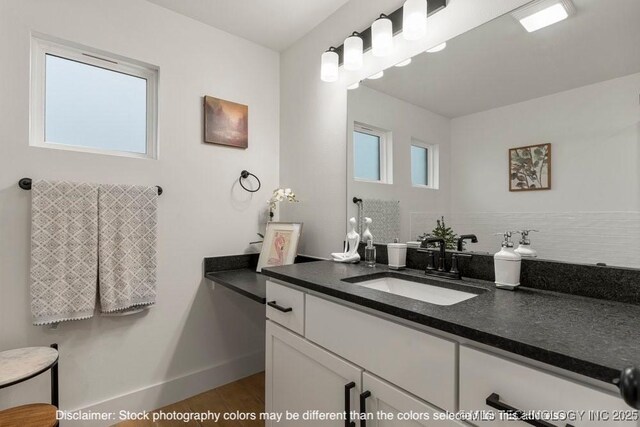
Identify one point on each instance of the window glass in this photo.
(366, 151)
(93, 107)
(419, 165)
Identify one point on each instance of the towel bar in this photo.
(25, 184)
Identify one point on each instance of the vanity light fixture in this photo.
(404, 63)
(382, 36)
(542, 13)
(438, 48)
(376, 76)
(354, 86)
(353, 52)
(329, 66)
(409, 19)
(414, 19)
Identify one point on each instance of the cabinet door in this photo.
(391, 407)
(301, 377)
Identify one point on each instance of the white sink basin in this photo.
(420, 291)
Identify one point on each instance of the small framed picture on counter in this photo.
(280, 246)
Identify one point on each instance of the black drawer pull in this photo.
(363, 407)
(279, 307)
(494, 402)
(347, 404)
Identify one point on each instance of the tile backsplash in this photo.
(576, 237)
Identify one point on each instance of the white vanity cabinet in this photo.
(506, 382)
(301, 377)
(415, 361)
(319, 346)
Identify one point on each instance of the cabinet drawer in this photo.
(285, 306)
(529, 389)
(415, 361)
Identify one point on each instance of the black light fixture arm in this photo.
(25, 184)
(246, 174)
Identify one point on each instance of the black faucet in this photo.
(464, 237)
(454, 272)
(441, 246)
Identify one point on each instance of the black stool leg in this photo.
(54, 381)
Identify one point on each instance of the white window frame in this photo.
(433, 164)
(386, 153)
(42, 45)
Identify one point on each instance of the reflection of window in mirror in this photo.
(371, 154)
(424, 165)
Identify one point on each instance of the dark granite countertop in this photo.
(244, 281)
(592, 337)
(238, 273)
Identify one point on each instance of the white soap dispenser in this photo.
(507, 264)
(524, 248)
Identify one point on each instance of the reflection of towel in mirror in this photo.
(64, 260)
(385, 217)
(127, 246)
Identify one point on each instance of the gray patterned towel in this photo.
(64, 258)
(385, 219)
(127, 246)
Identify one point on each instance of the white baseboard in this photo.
(170, 391)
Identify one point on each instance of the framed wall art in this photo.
(226, 123)
(530, 168)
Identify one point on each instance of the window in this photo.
(90, 101)
(424, 165)
(371, 154)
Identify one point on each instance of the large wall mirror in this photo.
(506, 129)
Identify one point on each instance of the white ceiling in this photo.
(276, 24)
(501, 64)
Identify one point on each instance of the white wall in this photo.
(313, 121)
(405, 122)
(591, 213)
(202, 212)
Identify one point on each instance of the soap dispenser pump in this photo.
(524, 248)
(367, 236)
(507, 264)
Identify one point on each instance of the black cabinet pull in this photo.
(279, 307)
(363, 408)
(494, 402)
(347, 404)
(629, 385)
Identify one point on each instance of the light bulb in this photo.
(414, 19)
(404, 63)
(329, 66)
(353, 52)
(356, 85)
(376, 76)
(382, 36)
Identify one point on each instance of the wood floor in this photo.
(244, 396)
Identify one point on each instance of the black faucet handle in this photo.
(454, 264)
(442, 266)
(430, 260)
(430, 257)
